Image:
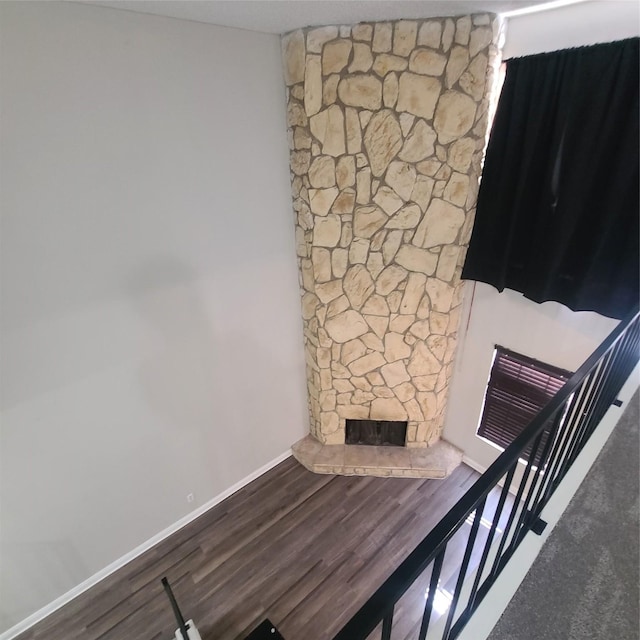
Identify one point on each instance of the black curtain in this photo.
(557, 215)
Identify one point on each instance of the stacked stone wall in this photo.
(387, 125)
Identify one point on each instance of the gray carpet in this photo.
(584, 583)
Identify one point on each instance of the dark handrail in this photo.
(380, 605)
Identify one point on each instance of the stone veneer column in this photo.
(387, 126)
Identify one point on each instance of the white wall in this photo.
(549, 332)
(151, 332)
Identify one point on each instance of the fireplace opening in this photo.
(376, 432)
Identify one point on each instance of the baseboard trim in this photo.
(47, 610)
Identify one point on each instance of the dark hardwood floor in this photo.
(305, 550)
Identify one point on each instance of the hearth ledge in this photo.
(437, 461)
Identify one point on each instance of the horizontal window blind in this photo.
(519, 387)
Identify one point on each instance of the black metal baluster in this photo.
(387, 623)
(463, 568)
(433, 587)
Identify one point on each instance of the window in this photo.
(519, 387)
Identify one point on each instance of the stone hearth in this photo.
(387, 126)
(437, 461)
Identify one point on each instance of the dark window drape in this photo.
(557, 214)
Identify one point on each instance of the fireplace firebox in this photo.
(376, 432)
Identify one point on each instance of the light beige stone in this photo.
(405, 392)
(354, 412)
(323, 357)
(390, 90)
(299, 162)
(368, 220)
(401, 323)
(372, 341)
(363, 186)
(406, 122)
(447, 34)
(383, 392)
(440, 224)
(377, 240)
(387, 199)
(316, 38)
(301, 138)
(351, 351)
(321, 261)
(413, 409)
(358, 251)
(384, 63)
(325, 379)
(365, 116)
(337, 306)
(382, 140)
(404, 38)
(428, 403)
(458, 61)
(438, 346)
(413, 293)
(293, 54)
(361, 397)
(463, 29)
(346, 172)
(382, 36)
(297, 92)
(444, 173)
(407, 218)
(415, 259)
(401, 177)
(329, 421)
(418, 94)
(430, 34)
(335, 56)
(387, 409)
(375, 264)
(362, 58)
(420, 329)
(419, 144)
(354, 135)
(447, 262)
(389, 279)
(480, 39)
(358, 285)
(305, 219)
(473, 80)
(361, 91)
(328, 400)
(460, 153)
(422, 361)
(346, 326)
(306, 271)
(481, 19)
(390, 246)
(427, 62)
(345, 202)
(333, 142)
(440, 294)
(376, 305)
(425, 383)
(375, 379)
(347, 234)
(339, 262)
(330, 89)
(395, 348)
(422, 191)
(362, 32)
(394, 373)
(367, 363)
(329, 291)
(310, 303)
(326, 232)
(438, 322)
(313, 85)
(321, 201)
(378, 324)
(457, 189)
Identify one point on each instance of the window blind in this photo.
(519, 387)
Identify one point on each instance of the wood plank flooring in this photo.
(305, 550)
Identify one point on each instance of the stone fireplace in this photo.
(387, 126)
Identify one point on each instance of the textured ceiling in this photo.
(280, 16)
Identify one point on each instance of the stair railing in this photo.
(570, 417)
